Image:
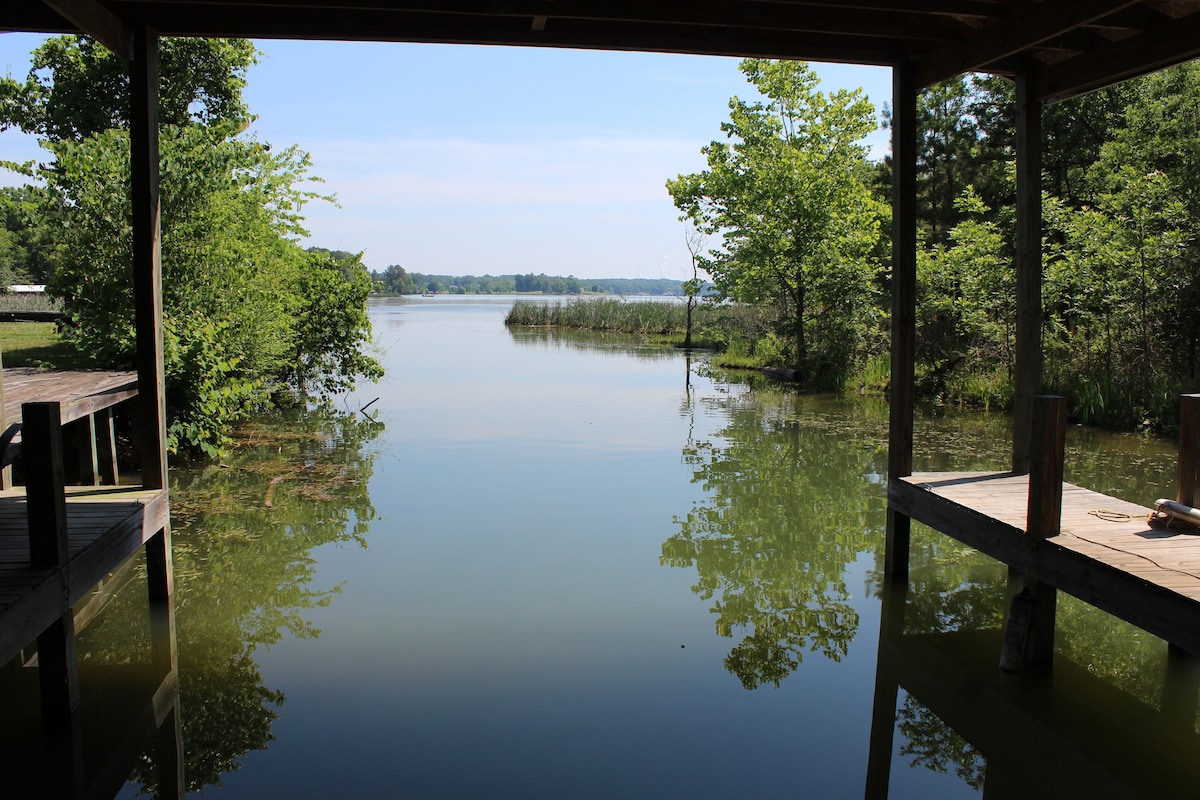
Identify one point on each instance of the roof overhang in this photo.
(1068, 46)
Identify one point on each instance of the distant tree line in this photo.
(396, 280)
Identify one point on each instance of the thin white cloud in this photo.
(420, 172)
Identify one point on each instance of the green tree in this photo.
(787, 193)
(965, 310)
(332, 331)
(76, 87)
(394, 280)
(29, 222)
(248, 315)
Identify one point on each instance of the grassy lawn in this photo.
(37, 344)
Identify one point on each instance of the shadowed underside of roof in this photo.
(1069, 46)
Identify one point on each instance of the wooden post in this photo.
(45, 495)
(5, 472)
(151, 426)
(46, 506)
(1181, 689)
(1029, 631)
(1046, 466)
(106, 448)
(1028, 378)
(1189, 449)
(82, 433)
(904, 307)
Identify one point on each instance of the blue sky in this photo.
(473, 160)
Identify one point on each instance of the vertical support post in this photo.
(46, 503)
(151, 427)
(106, 448)
(1028, 378)
(1046, 466)
(1181, 689)
(904, 306)
(82, 432)
(1189, 449)
(6, 472)
(46, 506)
(1029, 632)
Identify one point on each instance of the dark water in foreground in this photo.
(554, 566)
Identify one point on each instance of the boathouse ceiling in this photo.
(1068, 46)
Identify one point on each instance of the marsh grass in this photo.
(27, 301)
(643, 318)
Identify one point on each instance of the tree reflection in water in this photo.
(244, 530)
(792, 498)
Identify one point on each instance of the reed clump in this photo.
(617, 316)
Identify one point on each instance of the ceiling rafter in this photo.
(1171, 42)
(96, 21)
(1028, 27)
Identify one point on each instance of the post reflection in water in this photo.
(1065, 733)
(162, 718)
(128, 720)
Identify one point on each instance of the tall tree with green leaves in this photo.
(77, 87)
(787, 194)
(249, 316)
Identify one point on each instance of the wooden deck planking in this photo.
(1147, 576)
(26, 385)
(106, 526)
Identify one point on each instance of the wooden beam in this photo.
(1172, 42)
(151, 423)
(1028, 377)
(904, 308)
(1030, 25)
(92, 18)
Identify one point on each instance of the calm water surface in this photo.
(557, 566)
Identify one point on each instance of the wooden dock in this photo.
(1056, 536)
(1111, 559)
(57, 542)
(105, 526)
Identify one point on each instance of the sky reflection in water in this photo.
(571, 575)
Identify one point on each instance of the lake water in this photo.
(543, 565)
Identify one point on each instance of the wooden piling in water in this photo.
(1029, 630)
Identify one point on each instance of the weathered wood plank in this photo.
(26, 385)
